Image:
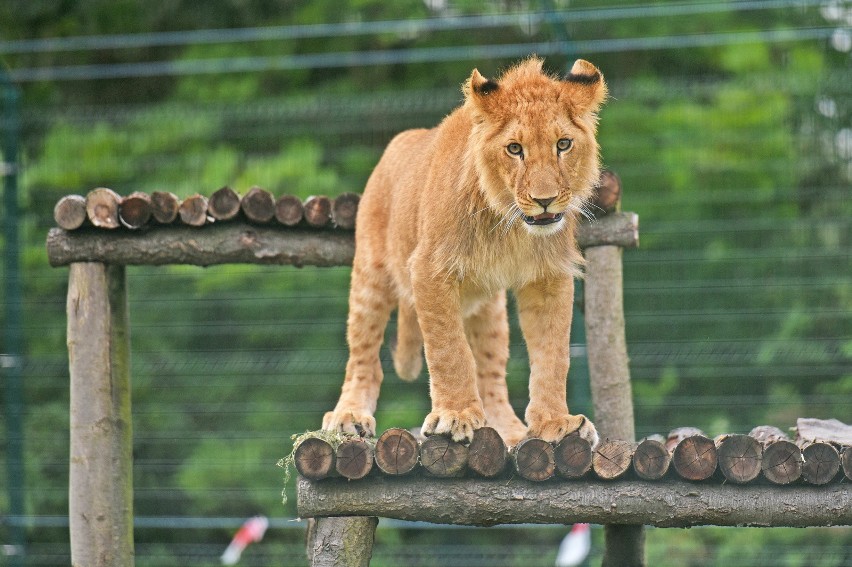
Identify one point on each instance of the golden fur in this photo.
(448, 222)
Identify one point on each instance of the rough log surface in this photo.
(651, 460)
(134, 211)
(443, 457)
(487, 454)
(397, 452)
(164, 206)
(488, 502)
(829, 430)
(695, 458)
(258, 205)
(317, 210)
(739, 458)
(289, 210)
(100, 510)
(102, 207)
(214, 244)
(224, 204)
(193, 210)
(314, 458)
(354, 459)
(612, 459)
(782, 462)
(573, 456)
(344, 209)
(534, 459)
(821, 463)
(341, 542)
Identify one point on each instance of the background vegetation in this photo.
(730, 125)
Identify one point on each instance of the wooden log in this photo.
(193, 210)
(651, 460)
(70, 212)
(219, 243)
(615, 229)
(534, 459)
(782, 459)
(486, 502)
(695, 458)
(821, 462)
(224, 204)
(102, 207)
(258, 205)
(740, 457)
(164, 206)
(354, 458)
(612, 458)
(344, 209)
(317, 211)
(826, 430)
(134, 211)
(314, 458)
(397, 452)
(443, 457)
(487, 453)
(573, 456)
(341, 542)
(846, 462)
(607, 193)
(100, 509)
(289, 210)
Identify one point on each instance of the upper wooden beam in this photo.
(243, 243)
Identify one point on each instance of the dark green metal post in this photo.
(11, 356)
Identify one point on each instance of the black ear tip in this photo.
(583, 78)
(487, 87)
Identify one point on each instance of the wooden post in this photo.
(610, 381)
(101, 468)
(342, 542)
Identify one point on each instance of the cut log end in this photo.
(487, 454)
(573, 456)
(534, 459)
(345, 209)
(134, 211)
(443, 457)
(193, 210)
(651, 460)
(612, 459)
(224, 204)
(70, 212)
(164, 206)
(354, 459)
(314, 458)
(740, 458)
(782, 462)
(397, 452)
(821, 463)
(608, 193)
(695, 458)
(258, 205)
(317, 211)
(102, 207)
(289, 210)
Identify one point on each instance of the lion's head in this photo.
(533, 141)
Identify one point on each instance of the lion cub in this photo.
(450, 219)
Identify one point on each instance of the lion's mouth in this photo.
(543, 218)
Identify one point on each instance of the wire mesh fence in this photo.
(729, 124)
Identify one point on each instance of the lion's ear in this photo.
(586, 87)
(477, 88)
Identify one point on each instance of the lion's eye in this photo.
(564, 144)
(515, 149)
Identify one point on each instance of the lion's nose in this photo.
(544, 202)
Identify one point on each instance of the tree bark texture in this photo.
(101, 468)
(342, 542)
(237, 242)
(487, 502)
(229, 243)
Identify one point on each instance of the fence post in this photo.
(100, 470)
(610, 380)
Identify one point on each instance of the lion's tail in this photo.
(408, 352)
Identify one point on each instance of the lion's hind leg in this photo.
(371, 300)
(488, 335)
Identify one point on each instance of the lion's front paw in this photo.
(554, 429)
(350, 421)
(458, 425)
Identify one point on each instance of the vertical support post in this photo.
(610, 381)
(341, 542)
(100, 472)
